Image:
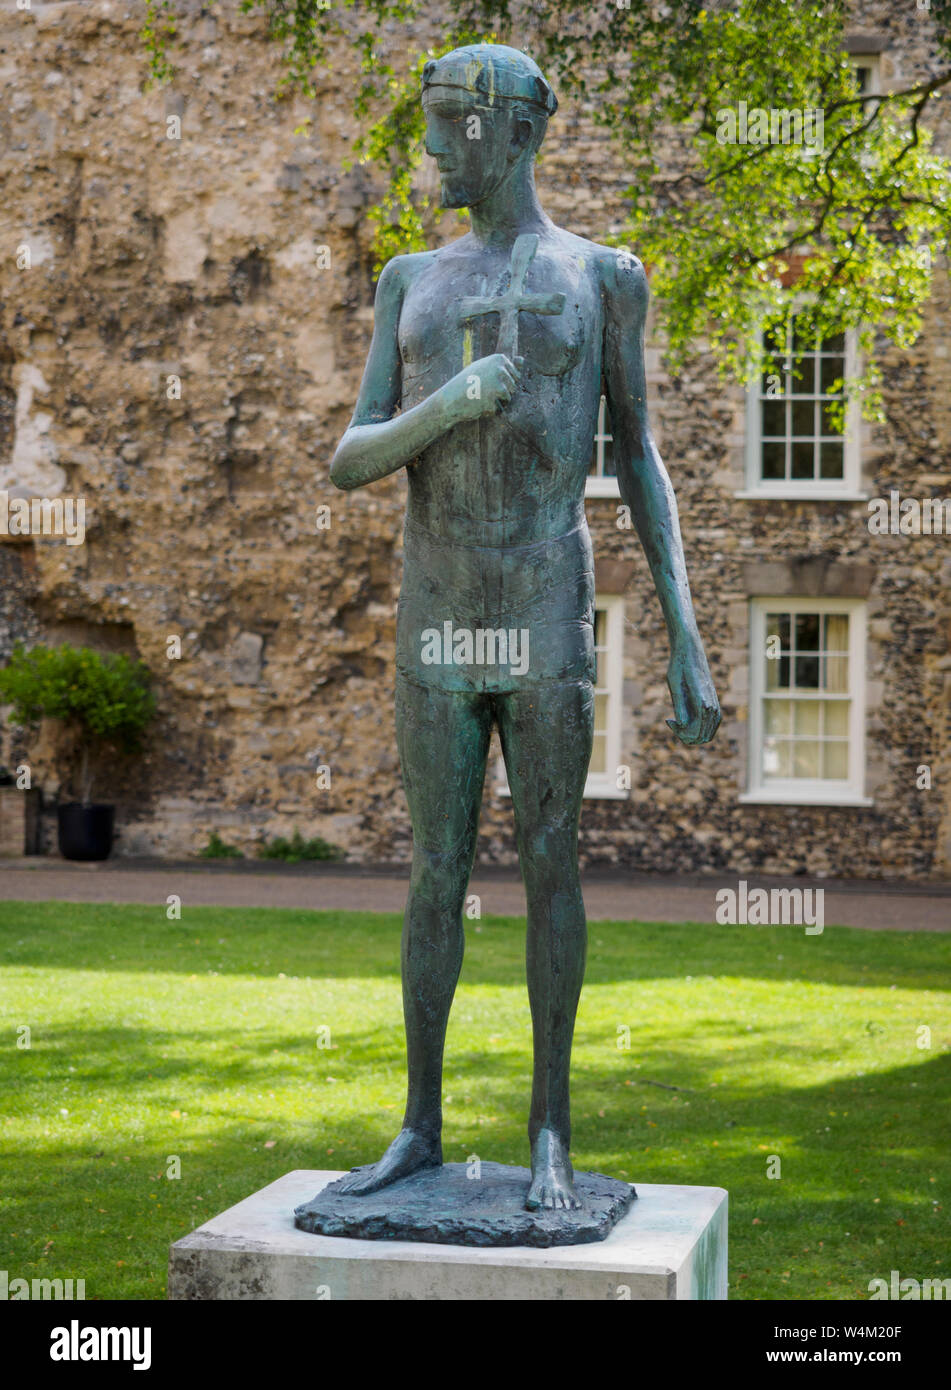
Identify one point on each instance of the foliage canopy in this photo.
(859, 218)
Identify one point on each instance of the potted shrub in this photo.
(103, 704)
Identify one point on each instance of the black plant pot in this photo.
(85, 832)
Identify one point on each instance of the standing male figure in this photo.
(496, 441)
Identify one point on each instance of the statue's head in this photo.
(487, 109)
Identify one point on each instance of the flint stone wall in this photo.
(180, 355)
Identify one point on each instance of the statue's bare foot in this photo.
(552, 1177)
(411, 1150)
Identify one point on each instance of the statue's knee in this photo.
(438, 878)
(549, 861)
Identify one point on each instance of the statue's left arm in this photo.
(645, 488)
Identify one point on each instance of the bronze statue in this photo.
(488, 361)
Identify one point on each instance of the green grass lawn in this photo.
(198, 1040)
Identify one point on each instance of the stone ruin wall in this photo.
(199, 259)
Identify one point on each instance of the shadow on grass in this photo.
(166, 1069)
(867, 1196)
(843, 1142)
(103, 1209)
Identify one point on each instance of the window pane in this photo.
(835, 760)
(777, 674)
(777, 625)
(599, 753)
(807, 672)
(831, 461)
(777, 761)
(804, 377)
(800, 342)
(831, 370)
(774, 418)
(807, 632)
(837, 717)
(836, 674)
(804, 418)
(806, 759)
(836, 632)
(775, 341)
(600, 714)
(778, 716)
(600, 640)
(774, 460)
(827, 425)
(807, 716)
(803, 460)
(834, 344)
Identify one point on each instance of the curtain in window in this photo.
(837, 640)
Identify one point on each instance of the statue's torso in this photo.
(495, 527)
(517, 476)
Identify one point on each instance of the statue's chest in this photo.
(536, 306)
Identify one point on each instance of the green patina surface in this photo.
(484, 380)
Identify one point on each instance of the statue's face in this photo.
(474, 146)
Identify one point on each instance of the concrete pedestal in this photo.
(671, 1244)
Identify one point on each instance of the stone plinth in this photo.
(671, 1244)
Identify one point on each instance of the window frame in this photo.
(599, 484)
(800, 790)
(872, 62)
(603, 785)
(845, 489)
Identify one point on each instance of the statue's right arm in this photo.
(378, 441)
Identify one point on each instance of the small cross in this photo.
(512, 302)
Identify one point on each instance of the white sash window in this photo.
(807, 701)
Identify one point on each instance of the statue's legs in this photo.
(443, 740)
(546, 735)
(443, 743)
